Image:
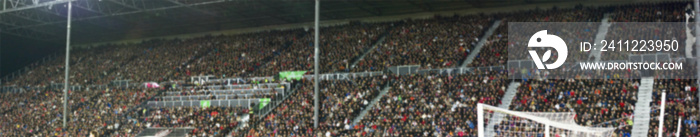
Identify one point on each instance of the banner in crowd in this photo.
(292, 75)
(205, 103)
(263, 102)
(151, 85)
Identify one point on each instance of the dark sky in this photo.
(18, 52)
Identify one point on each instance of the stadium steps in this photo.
(371, 104)
(642, 111)
(505, 103)
(135, 108)
(274, 105)
(374, 46)
(602, 31)
(244, 122)
(481, 43)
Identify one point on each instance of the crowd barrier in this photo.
(207, 97)
(231, 91)
(199, 103)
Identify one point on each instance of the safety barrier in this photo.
(197, 103)
(231, 91)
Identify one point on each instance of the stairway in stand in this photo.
(642, 110)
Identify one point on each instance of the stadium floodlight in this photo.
(515, 123)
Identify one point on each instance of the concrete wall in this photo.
(423, 15)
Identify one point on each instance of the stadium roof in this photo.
(109, 20)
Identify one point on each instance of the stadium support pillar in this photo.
(65, 82)
(661, 116)
(316, 107)
(1, 79)
(697, 42)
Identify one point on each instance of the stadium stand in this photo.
(417, 104)
(666, 12)
(432, 105)
(344, 44)
(438, 42)
(597, 103)
(342, 101)
(681, 102)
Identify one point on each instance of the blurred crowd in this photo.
(415, 105)
(339, 47)
(596, 103)
(432, 105)
(341, 101)
(437, 42)
(210, 121)
(681, 103)
(643, 28)
(293, 117)
(97, 112)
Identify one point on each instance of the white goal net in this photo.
(498, 122)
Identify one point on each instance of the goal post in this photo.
(480, 119)
(662, 114)
(503, 122)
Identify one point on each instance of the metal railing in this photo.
(344, 76)
(59, 86)
(122, 83)
(197, 103)
(226, 80)
(414, 69)
(243, 86)
(201, 78)
(458, 70)
(260, 78)
(232, 91)
(217, 97)
(404, 69)
(13, 89)
(97, 87)
(171, 131)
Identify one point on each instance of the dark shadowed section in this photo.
(17, 52)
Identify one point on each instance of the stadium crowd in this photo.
(660, 12)
(342, 100)
(210, 121)
(238, 55)
(40, 114)
(596, 103)
(27, 110)
(432, 105)
(415, 105)
(437, 42)
(681, 102)
(293, 117)
(89, 66)
(495, 49)
(340, 48)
